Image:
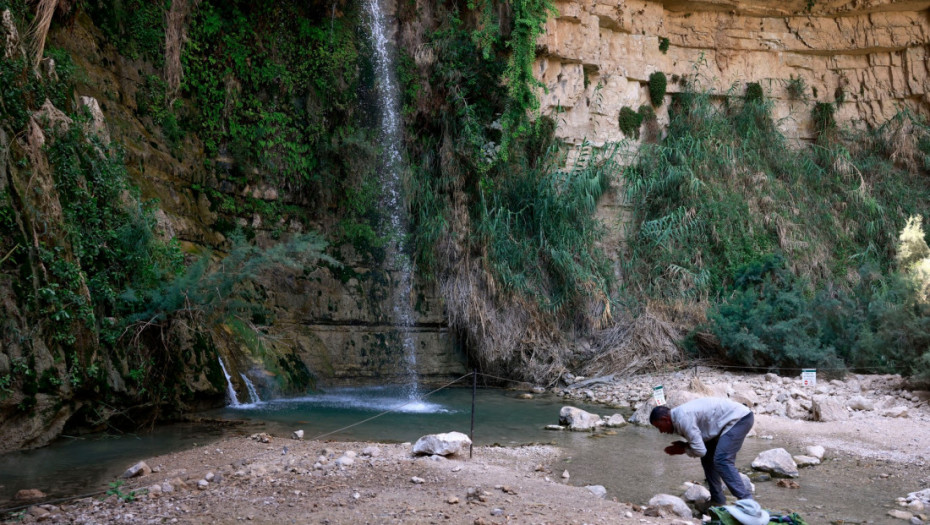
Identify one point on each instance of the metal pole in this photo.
(474, 392)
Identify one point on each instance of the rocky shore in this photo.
(282, 479)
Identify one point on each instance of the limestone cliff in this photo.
(868, 57)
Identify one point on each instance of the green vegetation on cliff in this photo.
(792, 248)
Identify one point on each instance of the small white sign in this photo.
(809, 377)
(658, 393)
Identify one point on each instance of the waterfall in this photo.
(391, 171)
(253, 394)
(230, 391)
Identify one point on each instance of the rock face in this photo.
(868, 57)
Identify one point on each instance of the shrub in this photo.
(754, 92)
(663, 44)
(796, 88)
(657, 85)
(823, 118)
(630, 121)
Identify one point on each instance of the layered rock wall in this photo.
(867, 57)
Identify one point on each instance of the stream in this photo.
(627, 461)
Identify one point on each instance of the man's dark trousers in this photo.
(720, 462)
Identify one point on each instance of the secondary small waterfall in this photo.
(253, 394)
(391, 172)
(230, 391)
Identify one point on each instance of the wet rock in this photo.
(554, 427)
(139, 469)
(615, 420)
(597, 490)
(776, 461)
(525, 395)
(900, 514)
(578, 420)
(445, 444)
(28, 494)
(806, 461)
(668, 505)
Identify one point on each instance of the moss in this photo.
(657, 85)
(630, 121)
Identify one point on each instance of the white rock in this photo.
(371, 452)
(616, 420)
(828, 409)
(203, 484)
(578, 420)
(898, 411)
(815, 450)
(345, 461)
(669, 505)
(696, 493)
(350, 454)
(442, 444)
(861, 403)
(417, 480)
(776, 461)
(298, 434)
(598, 490)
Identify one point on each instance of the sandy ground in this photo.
(242, 480)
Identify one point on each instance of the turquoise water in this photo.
(627, 461)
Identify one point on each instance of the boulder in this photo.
(898, 411)
(776, 461)
(696, 494)
(669, 506)
(579, 420)
(816, 451)
(139, 469)
(445, 444)
(861, 403)
(825, 408)
(28, 494)
(616, 420)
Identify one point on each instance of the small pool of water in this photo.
(628, 461)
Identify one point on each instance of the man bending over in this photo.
(714, 430)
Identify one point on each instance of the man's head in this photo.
(661, 418)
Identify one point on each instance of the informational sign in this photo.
(658, 393)
(809, 377)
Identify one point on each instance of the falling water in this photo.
(393, 198)
(230, 391)
(253, 394)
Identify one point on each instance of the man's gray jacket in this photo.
(705, 419)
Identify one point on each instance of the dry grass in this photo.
(900, 138)
(37, 33)
(648, 342)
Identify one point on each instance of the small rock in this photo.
(898, 411)
(298, 434)
(806, 461)
(788, 484)
(598, 490)
(565, 474)
(209, 476)
(417, 480)
(816, 451)
(497, 512)
(345, 461)
(615, 420)
(371, 452)
(203, 484)
(900, 514)
(452, 500)
(525, 395)
(139, 469)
